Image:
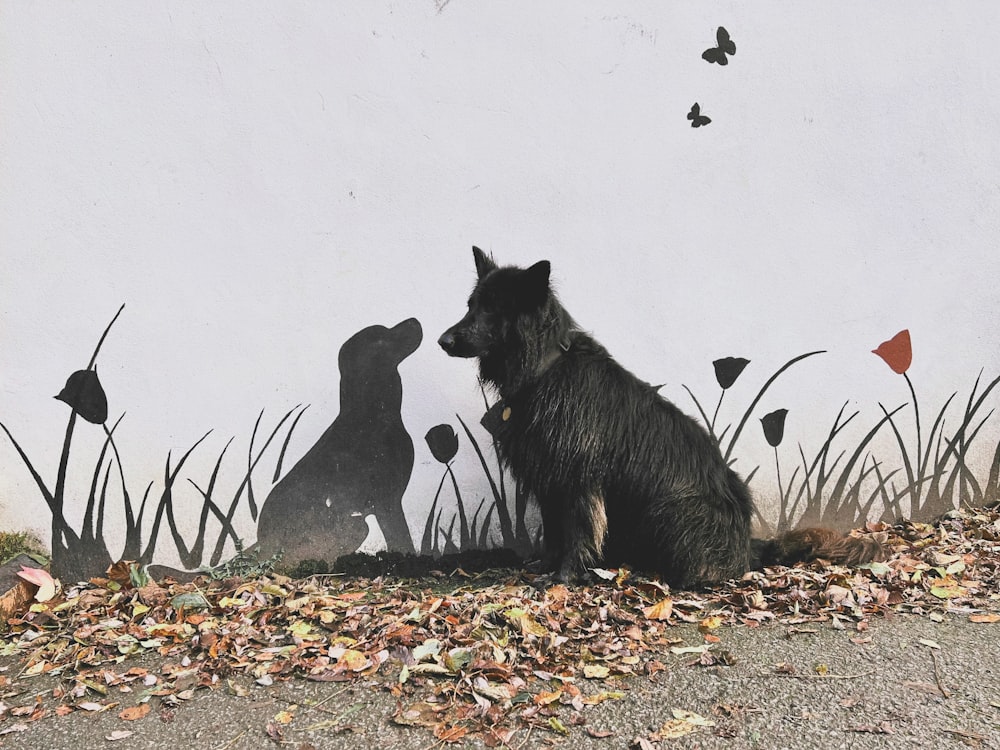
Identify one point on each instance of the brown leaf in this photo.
(419, 714)
(134, 712)
(598, 734)
(273, 730)
(447, 733)
(987, 617)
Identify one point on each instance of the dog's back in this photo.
(590, 429)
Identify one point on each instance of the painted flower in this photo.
(774, 426)
(443, 442)
(896, 352)
(85, 395)
(728, 369)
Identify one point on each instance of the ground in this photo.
(900, 654)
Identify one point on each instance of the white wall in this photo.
(258, 181)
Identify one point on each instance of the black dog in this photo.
(620, 473)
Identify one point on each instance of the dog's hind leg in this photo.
(584, 530)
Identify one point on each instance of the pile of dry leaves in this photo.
(468, 655)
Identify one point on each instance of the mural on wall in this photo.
(345, 492)
(350, 483)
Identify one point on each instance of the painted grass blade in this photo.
(760, 395)
(503, 515)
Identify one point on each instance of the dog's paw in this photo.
(571, 573)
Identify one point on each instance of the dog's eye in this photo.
(483, 301)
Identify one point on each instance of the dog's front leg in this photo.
(553, 534)
(585, 526)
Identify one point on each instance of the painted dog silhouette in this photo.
(359, 466)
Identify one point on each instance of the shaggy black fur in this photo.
(620, 473)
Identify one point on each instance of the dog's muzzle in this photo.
(455, 346)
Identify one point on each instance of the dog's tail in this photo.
(803, 545)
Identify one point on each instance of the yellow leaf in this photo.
(692, 718)
(595, 671)
(822, 669)
(557, 726)
(524, 622)
(593, 700)
(710, 623)
(675, 728)
(679, 650)
(659, 611)
(683, 723)
(273, 590)
(353, 660)
(284, 717)
(545, 698)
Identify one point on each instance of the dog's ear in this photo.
(484, 263)
(535, 284)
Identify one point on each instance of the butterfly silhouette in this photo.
(696, 117)
(718, 54)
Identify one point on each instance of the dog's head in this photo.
(500, 296)
(378, 348)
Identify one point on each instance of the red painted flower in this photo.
(896, 352)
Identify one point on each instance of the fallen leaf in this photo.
(545, 698)
(524, 622)
(684, 723)
(427, 650)
(608, 695)
(988, 617)
(679, 650)
(557, 726)
(353, 660)
(710, 623)
(659, 611)
(118, 734)
(134, 712)
(446, 733)
(421, 714)
(41, 578)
